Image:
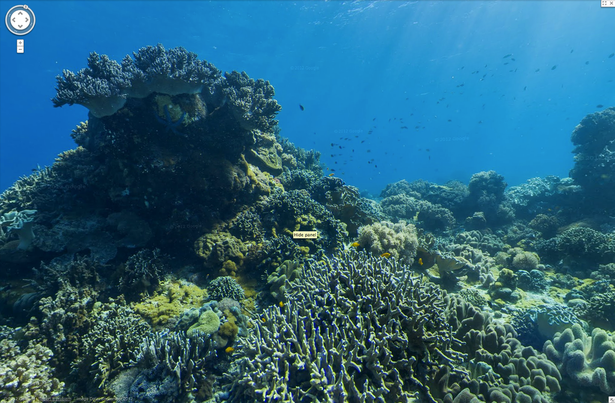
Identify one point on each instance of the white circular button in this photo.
(20, 20)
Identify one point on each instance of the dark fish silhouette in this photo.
(554, 67)
(611, 55)
(508, 55)
(599, 106)
(301, 107)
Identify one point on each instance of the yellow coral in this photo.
(171, 298)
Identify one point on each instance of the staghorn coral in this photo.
(589, 360)
(309, 348)
(403, 343)
(400, 240)
(106, 348)
(189, 365)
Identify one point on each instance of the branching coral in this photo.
(353, 327)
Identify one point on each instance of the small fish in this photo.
(301, 107)
(421, 261)
(525, 88)
(331, 174)
(404, 127)
(587, 62)
(229, 350)
(536, 71)
(281, 304)
(386, 255)
(355, 244)
(572, 51)
(508, 55)
(599, 106)
(554, 67)
(611, 55)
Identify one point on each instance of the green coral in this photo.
(209, 323)
(170, 300)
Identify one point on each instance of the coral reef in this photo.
(181, 174)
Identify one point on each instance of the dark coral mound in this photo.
(594, 168)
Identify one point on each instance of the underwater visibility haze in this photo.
(336, 201)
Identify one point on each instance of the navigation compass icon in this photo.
(20, 20)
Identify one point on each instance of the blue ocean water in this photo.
(433, 90)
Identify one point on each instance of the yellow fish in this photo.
(229, 350)
(421, 261)
(281, 304)
(331, 174)
(386, 254)
(355, 244)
